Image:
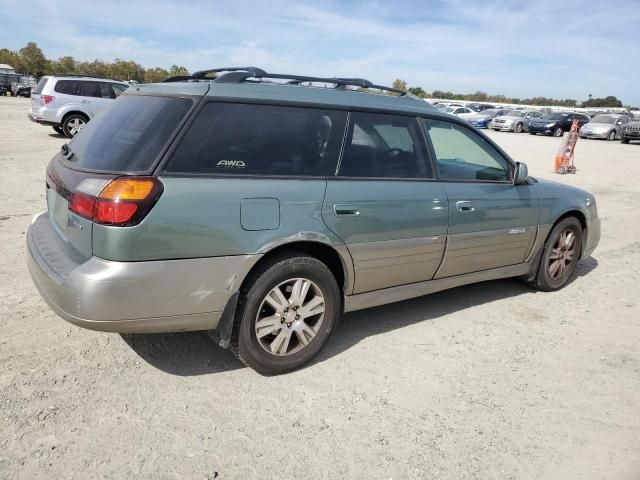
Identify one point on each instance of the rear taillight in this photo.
(124, 201)
(47, 99)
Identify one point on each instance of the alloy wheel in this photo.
(562, 255)
(76, 125)
(290, 316)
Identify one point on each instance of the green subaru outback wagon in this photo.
(262, 206)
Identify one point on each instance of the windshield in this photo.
(492, 112)
(555, 116)
(604, 119)
(515, 113)
(128, 136)
(449, 109)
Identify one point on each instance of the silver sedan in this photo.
(608, 127)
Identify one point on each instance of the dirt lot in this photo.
(490, 381)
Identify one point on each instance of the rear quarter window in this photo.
(129, 136)
(237, 139)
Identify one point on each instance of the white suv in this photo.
(68, 103)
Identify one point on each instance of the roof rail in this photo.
(241, 74)
(80, 75)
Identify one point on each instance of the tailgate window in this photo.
(129, 136)
(40, 85)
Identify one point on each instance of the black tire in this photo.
(58, 129)
(244, 341)
(611, 136)
(519, 128)
(544, 280)
(532, 133)
(558, 132)
(68, 124)
(624, 140)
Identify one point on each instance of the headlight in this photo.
(549, 125)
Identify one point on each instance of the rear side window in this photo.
(128, 136)
(463, 155)
(68, 87)
(40, 86)
(228, 138)
(384, 146)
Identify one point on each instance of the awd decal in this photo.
(516, 231)
(231, 163)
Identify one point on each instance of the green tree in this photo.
(64, 65)
(418, 91)
(11, 58)
(154, 75)
(177, 70)
(400, 84)
(33, 60)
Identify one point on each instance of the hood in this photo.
(511, 118)
(478, 116)
(541, 121)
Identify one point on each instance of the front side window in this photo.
(228, 138)
(384, 146)
(463, 155)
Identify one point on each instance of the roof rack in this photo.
(79, 75)
(241, 74)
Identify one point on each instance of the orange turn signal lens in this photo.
(127, 189)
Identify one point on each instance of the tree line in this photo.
(480, 96)
(31, 60)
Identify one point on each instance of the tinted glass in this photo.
(129, 135)
(40, 85)
(68, 87)
(604, 119)
(555, 116)
(118, 89)
(384, 146)
(228, 138)
(462, 154)
(514, 113)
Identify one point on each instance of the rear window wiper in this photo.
(66, 151)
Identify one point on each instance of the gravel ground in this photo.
(489, 381)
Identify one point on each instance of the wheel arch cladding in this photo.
(74, 112)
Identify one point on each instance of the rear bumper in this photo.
(131, 297)
(593, 236)
(41, 120)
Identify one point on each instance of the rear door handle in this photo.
(346, 210)
(464, 206)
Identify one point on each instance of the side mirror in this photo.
(521, 175)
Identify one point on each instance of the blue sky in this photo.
(554, 48)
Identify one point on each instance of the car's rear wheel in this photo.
(58, 129)
(612, 135)
(560, 256)
(558, 132)
(73, 123)
(519, 128)
(624, 140)
(286, 313)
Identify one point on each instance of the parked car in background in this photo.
(462, 112)
(631, 132)
(483, 118)
(514, 120)
(20, 89)
(68, 103)
(341, 201)
(556, 123)
(608, 127)
(479, 107)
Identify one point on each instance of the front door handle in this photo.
(346, 210)
(464, 206)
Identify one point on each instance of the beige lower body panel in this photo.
(405, 292)
(395, 262)
(477, 251)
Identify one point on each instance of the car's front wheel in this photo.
(72, 124)
(286, 313)
(560, 256)
(558, 132)
(519, 128)
(612, 135)
(624, 140)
